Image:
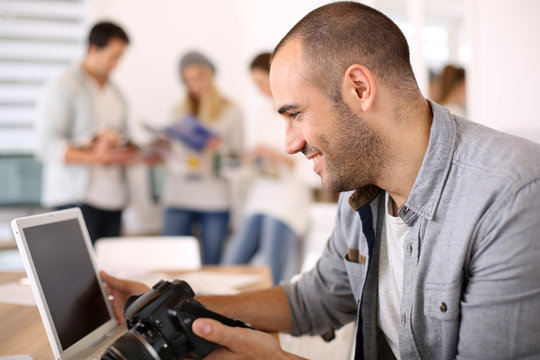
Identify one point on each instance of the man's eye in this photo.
(294, 115)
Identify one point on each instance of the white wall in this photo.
(230, 32)
(504, 74)
(503, 69)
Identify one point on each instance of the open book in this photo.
(190, 132)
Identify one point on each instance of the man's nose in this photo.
(294, 140)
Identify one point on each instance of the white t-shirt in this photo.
(391, 277)
(106, 189)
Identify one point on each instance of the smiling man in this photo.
(436, 247)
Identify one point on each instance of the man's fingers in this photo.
(119, 285)
(214, 331)
(115, 300)
(119, 291)
(236, 342)
(209, 329)
(110, 280)
(118, 314)
(113, 282)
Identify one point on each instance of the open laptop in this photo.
(59, 259)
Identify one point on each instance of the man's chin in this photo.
(330, 187)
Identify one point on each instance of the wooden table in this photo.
(22, 332)
(8, 245)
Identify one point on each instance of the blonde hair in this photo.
(210, 106)
(208, 109)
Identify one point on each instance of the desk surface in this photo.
(7, 245)
(22, 331)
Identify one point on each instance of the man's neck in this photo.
(408, 143)
(89, 69)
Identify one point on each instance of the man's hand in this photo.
(239, 343)
(109, 149)
(119, 291)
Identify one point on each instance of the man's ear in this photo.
(358, 88)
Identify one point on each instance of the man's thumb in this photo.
(211, 330)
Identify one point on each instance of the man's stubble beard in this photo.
(355, 155)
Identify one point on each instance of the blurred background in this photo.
(495, 41)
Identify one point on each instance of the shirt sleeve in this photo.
(52, 128)
(500, 308)
(322, 300)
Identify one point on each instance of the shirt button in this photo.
(409, 249)
(403, 319)
(406, 209)
(443, 307)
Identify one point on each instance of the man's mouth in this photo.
(317, 160)
(314, 154)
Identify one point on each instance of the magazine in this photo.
(190, 132)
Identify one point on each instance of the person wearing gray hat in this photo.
(195, 192)
(195, 57)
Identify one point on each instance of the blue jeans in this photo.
(269, 237)
(214, 227)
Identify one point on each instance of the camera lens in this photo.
(129, 346)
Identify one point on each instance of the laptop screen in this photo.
(68, 280)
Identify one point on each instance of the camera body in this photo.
(159, 325)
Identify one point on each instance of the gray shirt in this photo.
(67, 117)
(471, 277)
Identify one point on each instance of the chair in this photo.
(148, 253)
(321, 223)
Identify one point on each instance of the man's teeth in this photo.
(316, 157)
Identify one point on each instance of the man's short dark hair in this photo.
(102, 32)
(340, 34)
(261, 62)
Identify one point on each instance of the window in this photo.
(442, 40)
(38, 39)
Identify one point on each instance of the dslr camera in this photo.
(159, 325)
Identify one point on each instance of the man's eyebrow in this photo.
(286, 108)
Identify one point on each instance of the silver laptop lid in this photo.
(60, 263)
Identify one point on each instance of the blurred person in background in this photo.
(82, 136)
(196, 196)
(450, 89)
(275, 212)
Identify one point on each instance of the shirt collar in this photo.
(362, 196)
(90, 80)
(427, 188)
